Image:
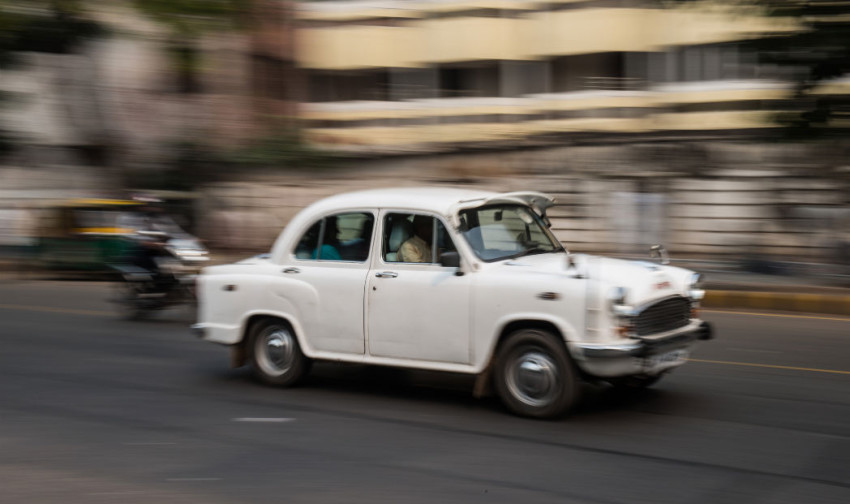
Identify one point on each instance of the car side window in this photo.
(340, 237)
(354, 235)
(309, 241)
(410, 238)
(444, 241)
(398, 228)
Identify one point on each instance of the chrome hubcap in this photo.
(533, 379)
(275, 350)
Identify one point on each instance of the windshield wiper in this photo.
(531, 251)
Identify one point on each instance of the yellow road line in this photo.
(48, 309)
(781, 315)
(771, 366)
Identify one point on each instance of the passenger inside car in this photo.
(397, 230)
(329, 251)
(417, 248)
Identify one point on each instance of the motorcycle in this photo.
(160, 275)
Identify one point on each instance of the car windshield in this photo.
(500, 232)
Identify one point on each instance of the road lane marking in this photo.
(148, 444)
(49, 309)
(118, 492)
(269, 420)
(193, 479)
(781, 315)
(771, 366)
(753, 350)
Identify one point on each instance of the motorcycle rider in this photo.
(151, 234)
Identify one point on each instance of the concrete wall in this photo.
(720, 202)
(25, 193)
(702, 201)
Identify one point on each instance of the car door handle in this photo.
(386, 274)
(292, 270)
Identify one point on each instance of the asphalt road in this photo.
(98, 410)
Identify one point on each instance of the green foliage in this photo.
(52, 26)
(5, 143)
(191, 18)
(191, 163)
(57, 26)
(7, 31)
(187, 20)
(184, 166)
(814, 55)
(283, 148)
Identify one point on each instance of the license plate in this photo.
(665, 360)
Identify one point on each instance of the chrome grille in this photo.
(665, 315)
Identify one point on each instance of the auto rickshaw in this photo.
(85, 234)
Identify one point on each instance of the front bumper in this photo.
(644, 356)
(199, 330)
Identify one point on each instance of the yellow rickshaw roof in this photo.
(83, 202)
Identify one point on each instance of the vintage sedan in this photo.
(451, 280)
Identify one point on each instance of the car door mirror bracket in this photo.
(451, 259)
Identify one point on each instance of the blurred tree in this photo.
(283, 147)
(185, 165)
(53, 26)
(187, 21)
(5, 138)
(813, 56)
(278, 141)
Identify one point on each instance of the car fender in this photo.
(567, 330)
(284, 315)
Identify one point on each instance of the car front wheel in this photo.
(276, 357)
(535, 376)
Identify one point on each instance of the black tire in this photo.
(275, 355)
(535, 376)
(628, 383)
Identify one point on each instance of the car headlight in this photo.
(617, 302)
(696, 290)
(623, 312)
(188, 254)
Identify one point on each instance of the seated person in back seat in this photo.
(329, 251)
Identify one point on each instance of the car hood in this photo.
(645, 281)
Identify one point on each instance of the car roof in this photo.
(434, 199)
(443, 201)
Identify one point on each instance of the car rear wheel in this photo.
(535, 376)
(276, 357)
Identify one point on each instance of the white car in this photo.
(496, 296)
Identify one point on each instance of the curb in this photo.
(829, 304)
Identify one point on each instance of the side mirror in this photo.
(660, 252)
(450, 260)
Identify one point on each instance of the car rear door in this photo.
(326, 279)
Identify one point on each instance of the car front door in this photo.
(416, 310)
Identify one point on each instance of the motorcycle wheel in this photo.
(127, 297)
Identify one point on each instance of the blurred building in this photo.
(397, 75)
(629, 111)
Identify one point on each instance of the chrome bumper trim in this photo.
(198, 330)
(628, 357)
